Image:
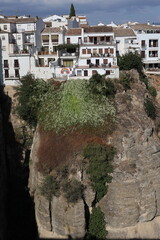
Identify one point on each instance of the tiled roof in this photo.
(18, 20)
(73, 31)
(25, 20)
(144, 26)
(98, 29)
(5, 20)
(123, 32)
(52, 30)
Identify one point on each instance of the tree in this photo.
(72, 11)
(130, 61)
(30, 94)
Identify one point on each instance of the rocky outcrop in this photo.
(132, 203)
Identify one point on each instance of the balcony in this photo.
(69, 55)
(109, 43)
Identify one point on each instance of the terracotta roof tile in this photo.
(99, 29)
(144, 26)
(52, 30)
(123, 32)
(73, 31)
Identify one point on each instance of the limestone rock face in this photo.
(132, 203)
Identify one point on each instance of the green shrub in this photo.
(130, 61)
(144, 79)
(99, 167)
(99, 85)
(125, 80)
(49, 187)
(73, 105)
(150, 108)
(152, 91)
(96, 230)
(30, 95)
(72, 190)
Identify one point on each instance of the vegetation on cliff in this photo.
(96, 230)
(99, 167)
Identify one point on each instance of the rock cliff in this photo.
(132, 203)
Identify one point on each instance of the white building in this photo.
(126, 41)
(21, 39)
(148, 37)
(55, 21)
(94, 51)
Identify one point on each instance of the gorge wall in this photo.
(132, 204)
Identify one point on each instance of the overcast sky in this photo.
(96, 11)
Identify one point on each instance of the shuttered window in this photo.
(54, 38)
(45, 38)
(83, 51)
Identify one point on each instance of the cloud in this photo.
(92, 8)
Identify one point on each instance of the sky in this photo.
(105, 11)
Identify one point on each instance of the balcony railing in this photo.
(100, 43)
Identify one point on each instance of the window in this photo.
(143, 43)
(19, 37)
(88, 61)
(79, 73)
(6, 73)
(94, 51)
(16, 73)
(45, 38)
(55, 49)
(85, 39)
(68, 63)
(153, 43)
(108, 39)
(107, 72)
(83, 51)
(41, 62)
(102, 39)
(111, 50)
(97, 62)
(85, 73)
(79, 40)
(106, 50)
(16, 63)
(5, 63)
(88, 51)
(100, 51)
(153, 53)
(3, 37)
(105, 61)
(68, 40)
(5, 27)
(3, 48)
(142, 54)
(54, 38)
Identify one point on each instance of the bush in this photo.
(125, 80)
(73, 105)
(130, 61)
(72, 190)
(30, 97)
(152, 91)
(150, 108)
(99, 85)
(49, 187)
(96, 230)
(99, 167)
